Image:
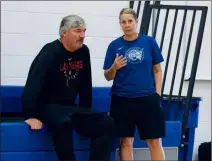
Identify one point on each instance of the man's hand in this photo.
(34, 123)
(119, 62)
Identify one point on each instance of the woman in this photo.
(133, 62)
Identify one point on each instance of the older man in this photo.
(59, 73)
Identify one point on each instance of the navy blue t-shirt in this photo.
(136, 79)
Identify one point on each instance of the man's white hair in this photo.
(70, 21)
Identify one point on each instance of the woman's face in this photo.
(128, 24)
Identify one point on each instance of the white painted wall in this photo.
(26, 26)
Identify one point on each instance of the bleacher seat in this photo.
(19, 142)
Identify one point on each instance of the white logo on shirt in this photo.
(134, 55)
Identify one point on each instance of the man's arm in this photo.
(35, 81)
(85, 93)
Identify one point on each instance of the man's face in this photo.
(128, 24)
(75, 36)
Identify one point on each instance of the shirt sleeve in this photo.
(85, 92)
(34, 83)
(109, 57)
(157, 56)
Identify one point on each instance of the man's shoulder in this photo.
(47, 53)
(49, 49)
(52, 46)
(85, 50)
(85, 47)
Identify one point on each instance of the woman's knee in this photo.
(126, 142)
(153, 143)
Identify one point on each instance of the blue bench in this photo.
(19, 142)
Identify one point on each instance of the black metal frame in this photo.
(144, 30)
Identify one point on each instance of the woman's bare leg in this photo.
(126, 149)
(156, 149)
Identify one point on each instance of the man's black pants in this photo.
(61, 120)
